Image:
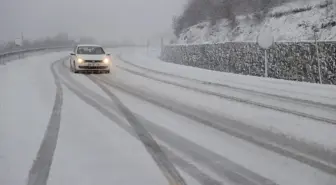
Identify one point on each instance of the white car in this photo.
(87, 58)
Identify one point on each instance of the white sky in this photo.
(102, 19)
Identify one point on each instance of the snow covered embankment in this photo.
(290, 61)
(290, 22)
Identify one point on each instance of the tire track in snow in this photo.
(200, 154)
(39, 172)
(317, 161)
(239, 89)
(240, 176)
(236, 99)
(307, 148)
(167, 168)
(192, 170)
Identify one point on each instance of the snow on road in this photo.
(27, 94)
(282, 171)
(295, 126)
(93, 150)
(98, 145)
(320, 93)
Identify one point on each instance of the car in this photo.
(90, 58)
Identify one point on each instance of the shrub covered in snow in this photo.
(198, 11)
(287, 60)
(289, 22)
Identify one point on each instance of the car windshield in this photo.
(90, 50)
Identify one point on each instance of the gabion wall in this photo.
(290, 61)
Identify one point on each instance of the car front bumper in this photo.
(93, 67)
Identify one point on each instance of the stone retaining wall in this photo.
(290, 61)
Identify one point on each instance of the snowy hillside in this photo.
(289, 22)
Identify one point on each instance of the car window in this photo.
(90, 50)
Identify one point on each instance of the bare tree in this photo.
(197, 11)
(223, 10)
(329, 7)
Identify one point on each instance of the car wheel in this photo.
(71, 68)
(74, 68)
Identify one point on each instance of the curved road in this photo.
(140, 125)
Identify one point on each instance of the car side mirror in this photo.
(72, 54)
(108, 54)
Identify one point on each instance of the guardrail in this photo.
(6, 55)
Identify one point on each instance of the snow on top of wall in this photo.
(292, 28)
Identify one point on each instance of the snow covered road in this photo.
(156, 123)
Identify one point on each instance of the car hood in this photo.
(92, 57)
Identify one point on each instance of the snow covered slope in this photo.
(289, 22)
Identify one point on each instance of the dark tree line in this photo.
(197, 11)
(58, 40)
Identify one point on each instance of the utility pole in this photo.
(265, 40)
(22, 47)
(162, 44)
(147, 46)
(315, 30)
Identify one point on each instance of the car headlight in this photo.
(106, 60)
(79, 60)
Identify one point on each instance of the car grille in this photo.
(93, 67)
(93, 61)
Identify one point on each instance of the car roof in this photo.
(86, 45)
